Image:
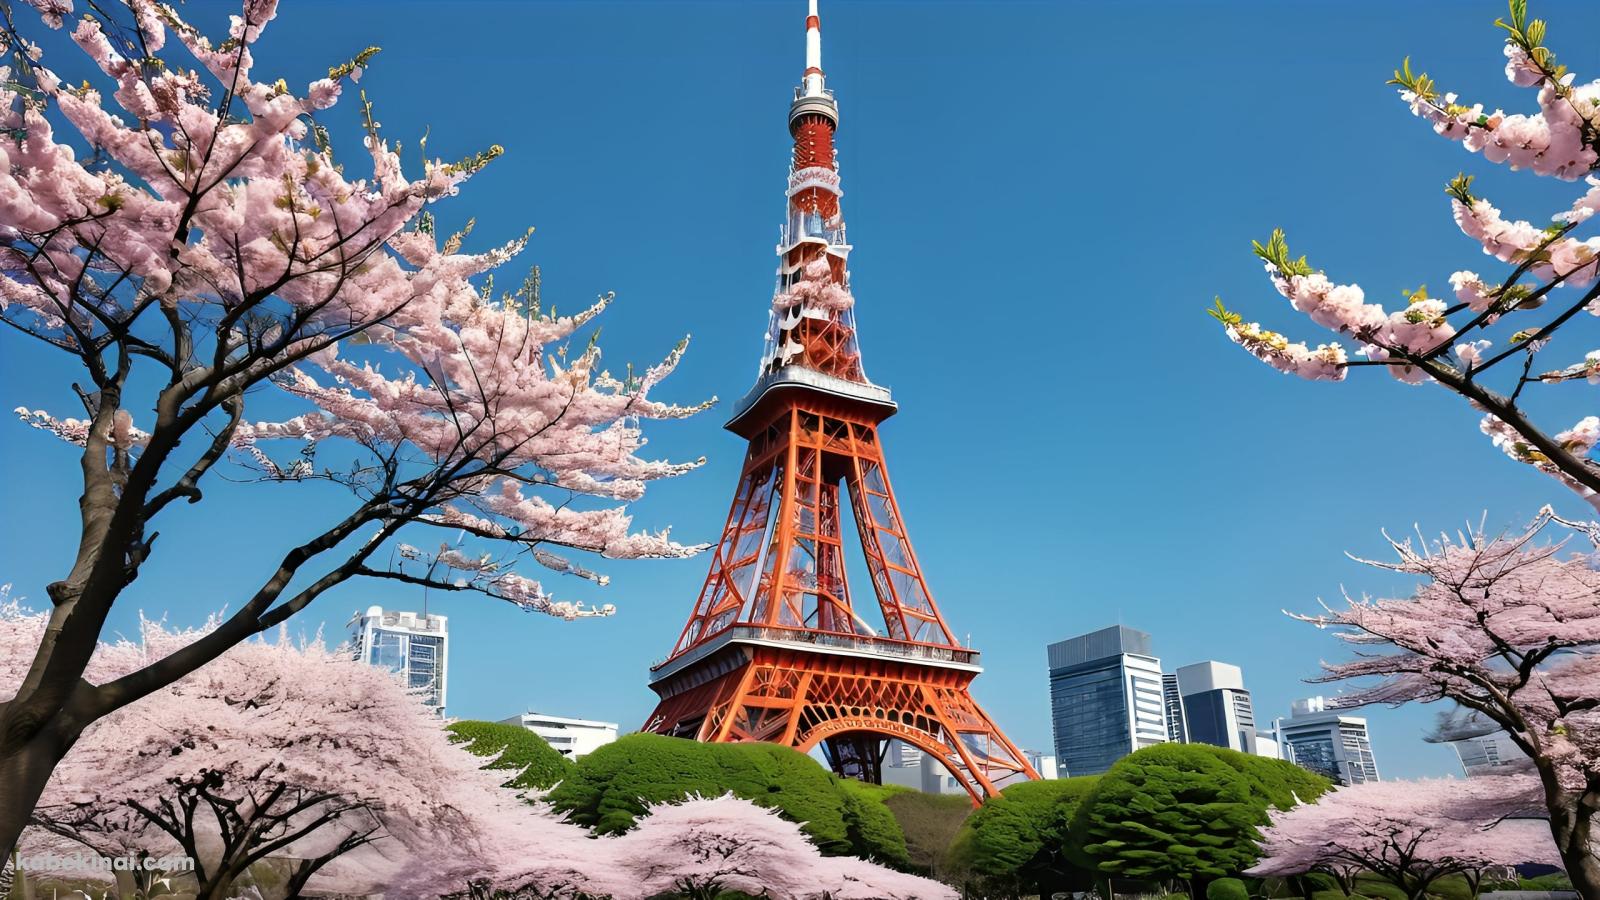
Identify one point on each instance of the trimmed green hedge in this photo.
(538, 765)
(1189, 812)
(1016, 842)
(611, 787)
(1227, 889)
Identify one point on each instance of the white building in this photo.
(1490, 754)
(416, 646)
(902, 765)
(1216, 706)
(572, 738)
(1267, 745)
(1328, 742)
(1042, 763)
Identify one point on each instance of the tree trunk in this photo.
(1572, 825)
(24, 771)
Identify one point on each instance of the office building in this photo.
(416, 646)
(572, 738)
(1172, 703)
(1267, 745)
(1105, 699)
(902, 765)
(1328, 742)
(1490, 754)
(1042, 763)
(1216, 706)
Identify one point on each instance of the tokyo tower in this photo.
(776, 648)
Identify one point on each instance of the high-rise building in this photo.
(1216, 706)
(1490, 754)
(780, 646)
(902, 765)
(1172, 703)
(1042, 763)
(416, 646)
(571, 738)
(1105, 699)
(1328, 742)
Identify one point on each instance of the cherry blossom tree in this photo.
(204, 247)
(1485, 343)
(703, 847)
(1411, 833)
(1509, 630)
(287, 750)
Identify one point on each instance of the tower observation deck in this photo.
(775, 649)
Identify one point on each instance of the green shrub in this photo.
(1182, 812)
(1016, 842)
(1274, 782)
(611, 787)
(930, 823)
(1227, 889)
(538, 765)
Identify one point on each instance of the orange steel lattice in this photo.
(775, 649)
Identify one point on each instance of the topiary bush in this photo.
(1017, 841)
(1227, 889)
(611, 787)
(538, 765)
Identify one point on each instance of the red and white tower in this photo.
(775, 649)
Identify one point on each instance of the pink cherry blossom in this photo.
(240, 296)
(1504, 627)
(1411, 833)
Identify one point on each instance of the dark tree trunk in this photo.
(1572, 825)
(24, 770)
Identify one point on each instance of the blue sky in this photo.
(1043, 198)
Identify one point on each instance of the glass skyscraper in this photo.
(1216, 706)
(416, 646)
(1105, 699)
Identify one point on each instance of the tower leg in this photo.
(857, 755)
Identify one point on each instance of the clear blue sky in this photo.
(1043, 198)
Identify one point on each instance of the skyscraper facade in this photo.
(416, 646)
(1490, 754)
(1172, 704)
(1216, 706)
(1328, 742)
(1105, 699)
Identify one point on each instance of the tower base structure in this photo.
(848, 695)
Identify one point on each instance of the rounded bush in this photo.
(1227, 889)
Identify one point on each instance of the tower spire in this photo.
(813, 83)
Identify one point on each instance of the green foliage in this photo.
(1419, 84)
(1178, 811)
(538, 765)
(1529, 35)
(1223, 314)
(1555, 881)
(1276, 252)
(1227, 889)
(612, 786)
(1019, 839)
(1274, 782)
(930, 823)
(1460, 187)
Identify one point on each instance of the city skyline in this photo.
(1217, 591)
